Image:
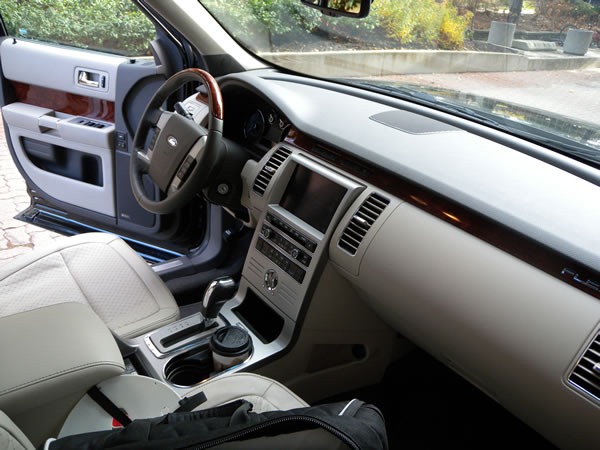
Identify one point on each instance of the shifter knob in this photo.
(217, 293)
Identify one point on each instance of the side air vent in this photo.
(264, 177)
(586, 374)
(361, 222)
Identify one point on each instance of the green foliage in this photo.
(559, 13)
(117, 26)
(258, 21)
(583, 11)
(109, 25)
(262, 24)
(423, 23)
(452, 30)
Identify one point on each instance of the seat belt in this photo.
(186, 404)
(107, 405)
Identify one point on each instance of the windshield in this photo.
(529, 67)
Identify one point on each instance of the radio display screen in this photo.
(312, 197)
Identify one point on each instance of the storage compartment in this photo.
(63, 161)
(259, 317)
(228, 346)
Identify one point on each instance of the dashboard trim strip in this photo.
(526, 249)
(65, 102)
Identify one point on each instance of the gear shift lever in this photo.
(217, 293)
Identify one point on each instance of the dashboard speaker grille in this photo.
(586, 374)
(263, 178)
(360, 223)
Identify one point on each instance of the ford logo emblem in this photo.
(172, 140)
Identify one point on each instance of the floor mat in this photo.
(426, 405)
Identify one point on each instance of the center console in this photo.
(298, 212)
(295, 204)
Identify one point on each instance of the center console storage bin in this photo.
(190, 368)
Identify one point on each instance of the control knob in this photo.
(267, 232)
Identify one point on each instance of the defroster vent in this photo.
(264, 176)
(586, 374)
(361, 222)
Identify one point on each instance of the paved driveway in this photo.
(573, 93)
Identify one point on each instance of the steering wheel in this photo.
(178, 154)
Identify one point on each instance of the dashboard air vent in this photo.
(586, 374)
(264, 176)
(361, 222)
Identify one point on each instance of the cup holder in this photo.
(190, 368)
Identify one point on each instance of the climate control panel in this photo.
(289, 249)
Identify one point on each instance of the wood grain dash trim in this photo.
(497, 234)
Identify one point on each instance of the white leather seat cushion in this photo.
(11, 437)
(96, 269)
(265, 394)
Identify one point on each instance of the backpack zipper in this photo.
(261, 426)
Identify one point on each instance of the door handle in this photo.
(85, 78)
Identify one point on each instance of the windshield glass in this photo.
(532, 67)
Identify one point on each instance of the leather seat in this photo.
(264, 393)
(55, 354)
(96, 269)
(44, 293)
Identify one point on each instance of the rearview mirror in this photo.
(349, 8)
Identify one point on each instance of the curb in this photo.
(404, 62)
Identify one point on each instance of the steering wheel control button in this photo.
(271, 280)
(186, 168)
(155, 133)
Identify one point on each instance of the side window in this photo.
(114, 26)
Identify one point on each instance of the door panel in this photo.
(62, 134)
(63, 155)
(70, 116)
(81, 72)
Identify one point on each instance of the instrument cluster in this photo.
(265, 126)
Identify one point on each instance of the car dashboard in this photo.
(478, 247)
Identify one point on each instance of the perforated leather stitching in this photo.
(106, 291)
(22, 290)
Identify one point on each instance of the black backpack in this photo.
(342, 425)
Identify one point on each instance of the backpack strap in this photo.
(351, 408)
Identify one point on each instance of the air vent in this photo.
(264, 177)
(361, 222)
(586, 374)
